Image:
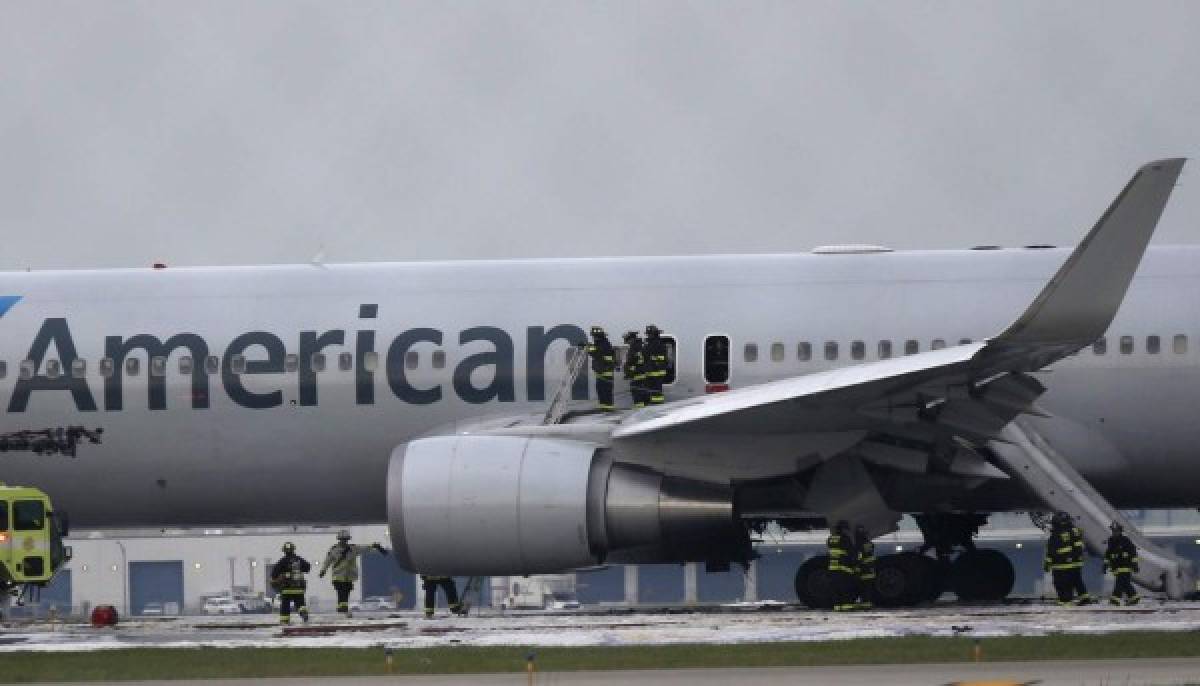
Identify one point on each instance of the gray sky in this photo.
(237, 132)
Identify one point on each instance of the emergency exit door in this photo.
(716, 363)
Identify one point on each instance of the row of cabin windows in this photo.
(212, 364)
(885, 349)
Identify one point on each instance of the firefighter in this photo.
(431, 584)
(342, 558)
(842, 567)
(864, 564)
(655, 351)
(287, 578)
(603, 364)
(1064, 560)
(635, 368)
(1121, 558)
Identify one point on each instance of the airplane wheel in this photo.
(814, 583)
(904, 579)
(982, 575)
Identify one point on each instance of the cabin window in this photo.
(53, 369)
(777, 352)
(1153, 345)
(964, 341)
(411, 359)
(750, 352)
(858, 350)
(291, 362)
(439, 359)
(107, 367)
(911, 347)
(1126, 345)
(345, 362)
(1180, 345)
(78, 367)
(158, 366)
(371, 361)
(885, 350)
(237, 364)
(317, 362)
(27, 368)
(716, 359)
(831, 350)
(212, 364)
(938, 344)
(28, 515)
(133, 366)
(804, 351)
(185, 365)
(1100, 346)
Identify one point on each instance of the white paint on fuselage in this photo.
(326, 463)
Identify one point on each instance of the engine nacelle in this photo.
(512, 505)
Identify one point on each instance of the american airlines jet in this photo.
(852, 383)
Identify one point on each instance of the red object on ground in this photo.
(104, 615)
(716, 388)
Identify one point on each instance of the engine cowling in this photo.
(514, 505)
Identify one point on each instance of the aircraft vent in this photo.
(985, 247)
(849, 249)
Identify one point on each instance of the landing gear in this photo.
(914, 578)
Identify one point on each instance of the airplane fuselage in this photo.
(317, 372)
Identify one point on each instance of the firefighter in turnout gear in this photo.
(431, 585)
(1121, 558)
(842, 567)
(864, 566)
(287, 578)
(1064, 560)
(635, 369)
(655, 351)
(604, 363)
(342, 558)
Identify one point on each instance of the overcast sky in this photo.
(239, 132)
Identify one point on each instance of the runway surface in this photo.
(1108, 673)
(714, 625)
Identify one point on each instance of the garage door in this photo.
(155, 582)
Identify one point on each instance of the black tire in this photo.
(982, 575)
(815, 583)
(904, 580)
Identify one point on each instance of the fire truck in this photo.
(31, 541)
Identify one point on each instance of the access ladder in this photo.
(576, 359)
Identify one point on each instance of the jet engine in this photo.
(514, 505)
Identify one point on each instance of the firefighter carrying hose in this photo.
(1121, 558)
(603, 365)
(287, 578)
(342, 558)
(635, 369)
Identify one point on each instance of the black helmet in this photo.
(860, 530)
(597, 331)
(842, 526)
(343, 535)
(289, 548)
(1116, 527)
(630, 336)
(652, 330)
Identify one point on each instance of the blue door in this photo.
(155, 582)
(381, 576)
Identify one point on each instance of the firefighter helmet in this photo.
(343, 535)
(1116, 527)
(289, 548)
(842, 526)
(652, 330)
(630, 336)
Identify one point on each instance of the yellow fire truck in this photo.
(31, 539)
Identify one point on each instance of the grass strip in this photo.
(208, 663)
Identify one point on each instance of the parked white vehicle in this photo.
(376, 603)
(222, 606)
(543, 592)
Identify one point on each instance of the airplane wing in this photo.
(971, 391)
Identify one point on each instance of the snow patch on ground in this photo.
(730, 626)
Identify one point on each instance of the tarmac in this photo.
(1159, 672)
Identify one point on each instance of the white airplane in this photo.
(855, 384)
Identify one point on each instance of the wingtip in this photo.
(1167, 164)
